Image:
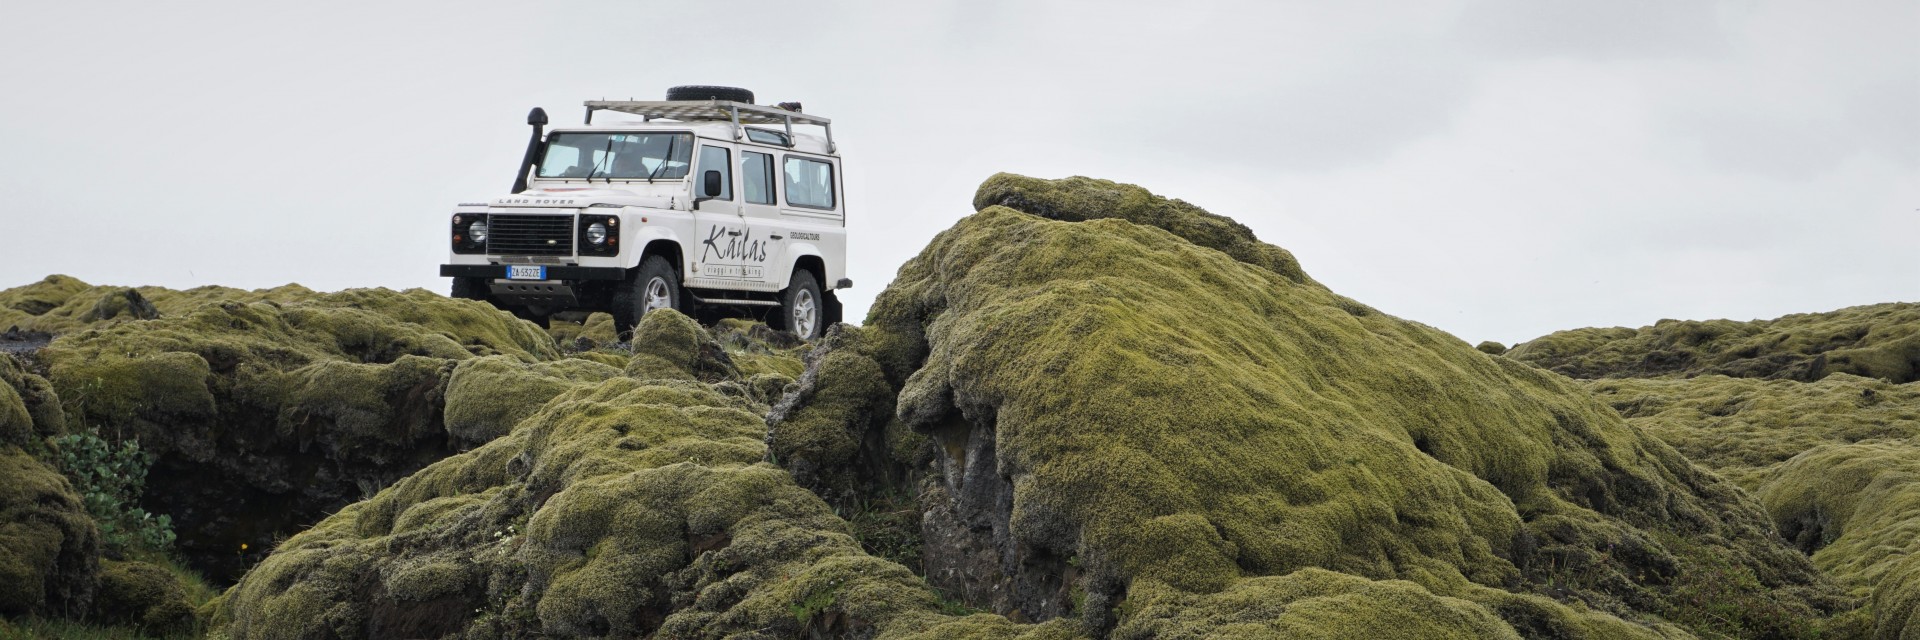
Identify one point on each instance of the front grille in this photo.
(529, 235)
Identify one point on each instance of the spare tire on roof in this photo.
(703, 92)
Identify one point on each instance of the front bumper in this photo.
(554, 272)
(566, 286)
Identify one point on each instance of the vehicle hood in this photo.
(659, 196)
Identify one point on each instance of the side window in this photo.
(715, 159)
(756, 177)
(809, 183)
(768, 137)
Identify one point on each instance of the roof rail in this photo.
(713, 110)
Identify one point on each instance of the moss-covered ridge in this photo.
(265, 414)
(1836, 464)
(634, 507)
(61, 304)
(1150, 411)
(1874, 341)
(623, 507)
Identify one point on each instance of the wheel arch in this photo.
(668, 248)
(810, 262)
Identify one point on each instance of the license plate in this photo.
(526, 272)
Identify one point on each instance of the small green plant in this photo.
(805, 610)
(952, 605)
(888, 526)
(110, 481)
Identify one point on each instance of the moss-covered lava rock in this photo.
(62, 304)
(143, 596)
(1113, 403)
(49, 546)
(264, 415)
(1836, 464)
(621, 508)
(1874, 341)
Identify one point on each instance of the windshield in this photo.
(617, 155)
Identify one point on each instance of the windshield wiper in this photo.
(671, 140)
(605, 156)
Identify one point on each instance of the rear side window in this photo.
(756, 177)
(716, 159)
(809, 183)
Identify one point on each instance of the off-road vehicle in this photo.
(707, 202)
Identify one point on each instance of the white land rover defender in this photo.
(693, 208)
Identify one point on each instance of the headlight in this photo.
(477, 232)
(597, 233)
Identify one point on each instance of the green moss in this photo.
(596, 330)
(1830, 462)
(1744, 428)
(147, 597)
(55, 628)
(1255, 424)
(819, 432)
(1874, 341)
(1857, 507)
(669, 345)
(487, 396)
(61, 304)
(621, 507)
(29, 407)
(277, 407)
(1310, 603)
(49, 547)
(1079, 199)
(16, 425)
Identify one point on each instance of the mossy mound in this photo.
(29, 408)
(264, 415)
(1874, 341)
(1110, 404)
(143, 596)
(1836, 464)
(596, 330)
(1079, 199)
(49, 546)
(623, 508)
(487, 396)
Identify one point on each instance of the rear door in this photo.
(813, 211)
(760, 206)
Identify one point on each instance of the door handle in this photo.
(733, 233)
(778, 237)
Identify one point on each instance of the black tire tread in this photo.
(709, 92)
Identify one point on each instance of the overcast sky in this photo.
(1498, 169)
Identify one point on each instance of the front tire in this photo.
(654, 286)
(469, 289)
(529, 314)
(802, 308)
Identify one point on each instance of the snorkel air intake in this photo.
(538, 119)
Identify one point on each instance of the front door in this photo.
(729, 248)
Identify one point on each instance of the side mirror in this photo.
(710, 186)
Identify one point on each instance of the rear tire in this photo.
(653, 286)
(802, 308)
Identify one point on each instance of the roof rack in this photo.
(713, 110)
